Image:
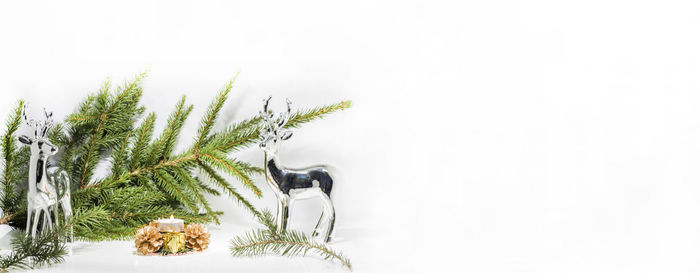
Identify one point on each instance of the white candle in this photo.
(171, 225)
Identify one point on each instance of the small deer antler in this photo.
(285, 117)
(40, 130)
(47, 123)
(267, 103)
(267, 115)
(275, 124)
(30, 122)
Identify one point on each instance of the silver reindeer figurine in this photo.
(292, 184)
(42, 192)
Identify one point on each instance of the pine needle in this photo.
(288, 243)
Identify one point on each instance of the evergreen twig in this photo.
(288, 243)
(48, 246)
(9, 195)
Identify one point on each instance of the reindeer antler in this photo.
(285, 117)
(274, 124)
(30, 122)
(267, 103)
(267, 115)
(36, 125)
(47, 123)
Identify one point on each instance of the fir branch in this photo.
(113, 117)
(305, 116)
(236, 136)
(194, 187)
(159, 149)
(28, 253)
(266, 219)
(175, 132)
(234, 168)
(47, 247)
(206, 188)
(288, 243)
(8, 145)
(88, 220)
(69, 141)
(174, 162)
(91, 158)
(212, 113)
(169, 185)
(119, 157)
(228, 189)
(86, 194)
(143, 137)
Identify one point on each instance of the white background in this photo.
(486, 136)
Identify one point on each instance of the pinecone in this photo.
(148, 240)
(196, 237)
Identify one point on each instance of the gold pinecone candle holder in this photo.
(174, 242)
(197, 237)
(153, 239)
(148, 240)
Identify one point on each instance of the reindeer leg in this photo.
(290, 205)
(328, 206)
(65, 202)
(67, 213)
(48, 218)
(45, 220)
(37, 214)
(282, 213)
(29, 216)
(316, 229)
(278, 217)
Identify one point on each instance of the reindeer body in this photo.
(295, 184)
(287, 180)
(38, 201)
(42, 192)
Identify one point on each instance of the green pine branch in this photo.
(288, 243)
(304, 116)
(45, 249)
(212, 113)
(109, 118)
(238, 170)
(142, 138)
(48, 246)
(228, 188)
(9, 196)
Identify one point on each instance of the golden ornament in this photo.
(174, 241)
(197, 237)
(148, 240)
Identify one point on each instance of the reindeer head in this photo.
(39, 144)
(274, 133)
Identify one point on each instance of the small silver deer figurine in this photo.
(292, 184)
(42, 192)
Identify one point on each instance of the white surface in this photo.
(5, 237)
(489, 136)
(119, 256)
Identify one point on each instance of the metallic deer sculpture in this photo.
(47, 187)
(292, 184)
